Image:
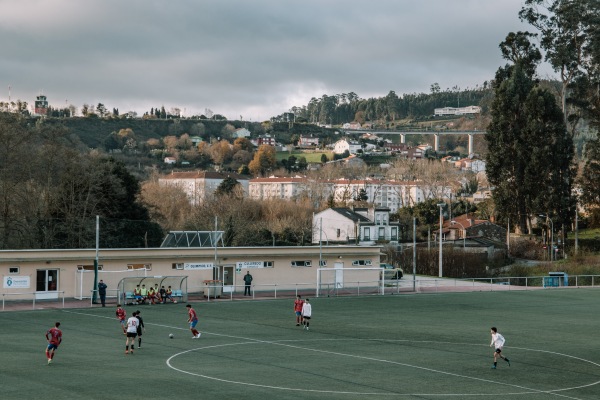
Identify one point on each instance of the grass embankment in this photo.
(586, 261)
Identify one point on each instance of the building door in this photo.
(227, 272)
(339, 274)
(46, 285)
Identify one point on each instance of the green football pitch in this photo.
(423, 346)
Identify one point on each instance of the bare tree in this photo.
(168, 205)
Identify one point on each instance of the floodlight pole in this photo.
(215, 267)
(440, 205)
(320, 243)
(414, 254)
(94, 289)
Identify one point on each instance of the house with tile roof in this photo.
(361, 226)
(467, 226)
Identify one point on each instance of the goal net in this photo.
(85, 282)
(349, 281)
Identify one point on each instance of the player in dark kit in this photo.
(140, 328)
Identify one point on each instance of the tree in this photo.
(302, 164)
(229, 187)
(101, 109)
(361, 196)
(264, 160)
(221, 152)
(529, 163)
(16, 190)
(242, 144)
(565, 28)
(518, 48)
(227, 131)
(589, 179)
(167, 205)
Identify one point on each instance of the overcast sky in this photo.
(250, 58)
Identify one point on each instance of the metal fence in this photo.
(408, 284)
(32, 298)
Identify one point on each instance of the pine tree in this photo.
(530, 159)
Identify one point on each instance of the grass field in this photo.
(311, 157)
(424, 346)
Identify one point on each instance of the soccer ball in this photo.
(171, 335)
(175, 301)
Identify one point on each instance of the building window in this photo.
(13, 270)
(88, 267)
(358, 263)
(338, 232)
(394, 233)
(177, 266)
(302, 263)
(147, 267)
(381, 233)
(323, 263)
(367, 234)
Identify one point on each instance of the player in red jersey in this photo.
(54, 338)
(193, 321)
(298, 303)
(121, 315)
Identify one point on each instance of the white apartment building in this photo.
(457, 110)
(390, 194)
(198, 185)
(274, 187)
(380, 193)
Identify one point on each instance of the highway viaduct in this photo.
(436, 135)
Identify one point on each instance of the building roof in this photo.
(202, 175)
(348, 213)
(279, 179)
(467, 221)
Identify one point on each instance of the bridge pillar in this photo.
(470, 143)
(436, 142)
(402, 138)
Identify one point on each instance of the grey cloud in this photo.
(238, 57)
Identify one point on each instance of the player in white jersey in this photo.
(132, 325)
(306, 313)
(498, 343)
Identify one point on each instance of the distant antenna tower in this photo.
(9, 93)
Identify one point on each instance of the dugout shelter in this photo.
(127, 285)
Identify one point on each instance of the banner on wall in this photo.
(196, 266)
(249, 264)
(16, 282)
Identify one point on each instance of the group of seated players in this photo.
(153, 295)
